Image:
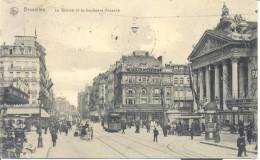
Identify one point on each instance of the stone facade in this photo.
(224, 67)
(23, 66)
(139, 86)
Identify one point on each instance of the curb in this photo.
(48, 152)
(219, 145)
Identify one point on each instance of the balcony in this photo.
(15, 68)
(30, 68)
(183, 98)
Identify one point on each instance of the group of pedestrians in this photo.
(85, 130)
(241, 140)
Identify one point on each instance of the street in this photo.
(132, 145)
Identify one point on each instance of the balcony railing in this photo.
(31, 68)
(15, 68)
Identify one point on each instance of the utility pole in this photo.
(40, 143)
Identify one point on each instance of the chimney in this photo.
(4, 43)
(147, 54)
(134, 53)
(160, 59)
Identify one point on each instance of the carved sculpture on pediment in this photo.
(225, 11)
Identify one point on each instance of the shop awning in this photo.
(26, 111)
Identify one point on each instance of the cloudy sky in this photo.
(82, 44)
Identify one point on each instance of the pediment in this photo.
(207, 44)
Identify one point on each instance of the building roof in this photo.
(230, 30)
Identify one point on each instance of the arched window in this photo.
(131, 92)
(143, 91)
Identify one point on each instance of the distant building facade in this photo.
(84, 102)
(224, 67)
(140, 87)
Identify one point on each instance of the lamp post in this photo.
(217, 136)
(40, 144)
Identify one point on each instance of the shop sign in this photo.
(153, 70)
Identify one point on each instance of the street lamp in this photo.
(217, 136)
(40, 144)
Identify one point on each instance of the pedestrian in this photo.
(45, 129)
(66, 129)
(191, 133)
(123, 127)
(148, 127)
(91, 133)
(249, 134)
(54, 137)
(241, 144)
(155, 134)
(137, 127)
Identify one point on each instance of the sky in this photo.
(82, 43)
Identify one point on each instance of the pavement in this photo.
(229, 141)
(32, 138)
(131, 145)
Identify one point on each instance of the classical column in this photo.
(208, 83)
(201, 84)
(195, 81)
(249, 82)
(123, 96)
(242, 76)
(234, 78)
(217, 92)
(225, 84)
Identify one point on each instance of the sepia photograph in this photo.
(114, 79)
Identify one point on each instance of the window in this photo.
(33, 74)
(130, 101)
(12, 65)
(181, 80)
(143, 92)
(130, 79)
(26, 74)
(188, 81)
(10, 51)
(156, 101)
(168, 79)
(1, 75)
(156, 91)
(168, 91)
(144, 79)
(176, 80)
(11, 74)
(17, 74)
(168, 101)
(130, 92)
(143, 100)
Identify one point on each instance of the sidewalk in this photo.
(229, 141)
(32, 138)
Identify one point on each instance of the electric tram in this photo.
(111, 122)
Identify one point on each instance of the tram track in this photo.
(180, 154)
(127, 146)
(148, 146)
(111, 147)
